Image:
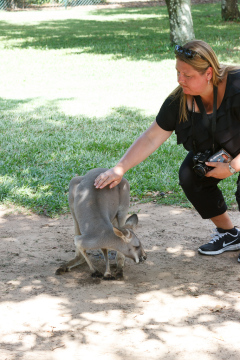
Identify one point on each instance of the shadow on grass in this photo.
(132, 38)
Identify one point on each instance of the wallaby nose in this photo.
(143, 258)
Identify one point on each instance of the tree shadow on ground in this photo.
(131, 38)
(145, 37)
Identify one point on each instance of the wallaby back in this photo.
(96, 209)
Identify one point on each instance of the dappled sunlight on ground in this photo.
(165, 308)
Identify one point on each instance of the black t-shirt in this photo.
(227, 134)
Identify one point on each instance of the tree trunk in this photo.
(230, 9)
(180, 18)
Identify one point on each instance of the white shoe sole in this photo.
(227, 248)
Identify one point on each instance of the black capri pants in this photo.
(204, 193)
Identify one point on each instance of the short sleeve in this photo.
(168, 115)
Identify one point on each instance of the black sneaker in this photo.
(222, 240)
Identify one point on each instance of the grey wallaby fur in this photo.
(100, 223)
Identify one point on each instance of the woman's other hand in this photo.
(111, 177)
(219, 170)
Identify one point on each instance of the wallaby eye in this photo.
(137, 247)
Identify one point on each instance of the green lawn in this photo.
(78, 86)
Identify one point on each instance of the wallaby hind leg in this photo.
(72, 193)
(72, 190)
(78, 260)
(78, 241)
(107, 274)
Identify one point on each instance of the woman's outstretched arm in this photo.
(144, 146)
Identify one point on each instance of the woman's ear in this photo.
(209, 73)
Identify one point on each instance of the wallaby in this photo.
(100, 223)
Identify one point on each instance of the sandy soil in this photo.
(177, 305)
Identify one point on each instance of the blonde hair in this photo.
(204, 59)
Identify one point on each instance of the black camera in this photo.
(201, 169)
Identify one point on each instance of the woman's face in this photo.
(191, 81)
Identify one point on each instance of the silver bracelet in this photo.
(232, 170)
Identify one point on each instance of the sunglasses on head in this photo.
(188, 53)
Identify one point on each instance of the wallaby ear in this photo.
(117, 232)
(132, 221)
(124, 234)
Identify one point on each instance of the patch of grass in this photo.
(77, 88)
(39, 157)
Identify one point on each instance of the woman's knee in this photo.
(187, 177)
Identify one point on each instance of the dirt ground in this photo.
(177, 305)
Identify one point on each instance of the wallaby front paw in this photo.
(61, 270)
(119, 274)
(143, 258)
(97, 274)
(109, 277)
